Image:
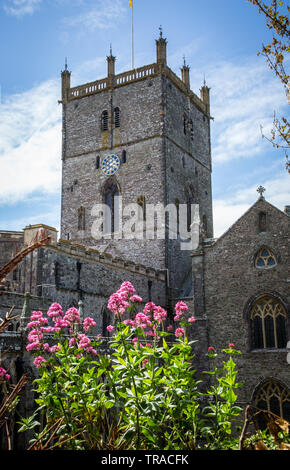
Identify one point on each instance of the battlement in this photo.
(93, 255)
(142, 73)
(9, 235)
(118, 80)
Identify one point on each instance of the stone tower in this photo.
(160, 132)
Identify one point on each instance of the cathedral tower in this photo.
(142, 135)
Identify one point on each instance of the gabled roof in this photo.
(259, 201)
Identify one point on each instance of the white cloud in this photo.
(50, 218)
(243, 98)
(227, 211)
(30, 143)
(21, 7)
(103, 15)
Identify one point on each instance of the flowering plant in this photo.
(136, 391)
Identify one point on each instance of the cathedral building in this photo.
(141, 139)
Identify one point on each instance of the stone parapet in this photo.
(93, 255)
(132, 76)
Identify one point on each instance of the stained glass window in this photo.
(268, 322)
(265, 259)
(272, 396)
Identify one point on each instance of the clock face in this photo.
(110, 165)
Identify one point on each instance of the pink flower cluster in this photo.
(180, 309)
(85, 344)
(179, 332)
(151, 316)
(3, 374)
(39, 361)
(110, 328)
(88, 323)
(61, 320)
(123, 298)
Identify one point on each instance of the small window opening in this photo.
(262, 222)
(142, 204)
(104, 123)
(81, 218)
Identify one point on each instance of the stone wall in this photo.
(67, 273)
(232, 282)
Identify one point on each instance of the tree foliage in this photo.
(277, 20)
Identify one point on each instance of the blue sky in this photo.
(220, 40)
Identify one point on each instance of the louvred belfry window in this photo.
(117, 117)
(104, 121)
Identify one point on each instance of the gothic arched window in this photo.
(104, 121)
(274, 397)
(117, 117)
(111, 200)
(268, 323)
(265, 259)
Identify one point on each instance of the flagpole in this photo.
(132, 36)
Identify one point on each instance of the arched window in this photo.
(117, 117)
(110, 198)
(104, 121)
(274, 397)
(265, 259)
(268, 323)
(107, 320)
(81, 219)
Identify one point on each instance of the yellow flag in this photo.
(131, 3)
